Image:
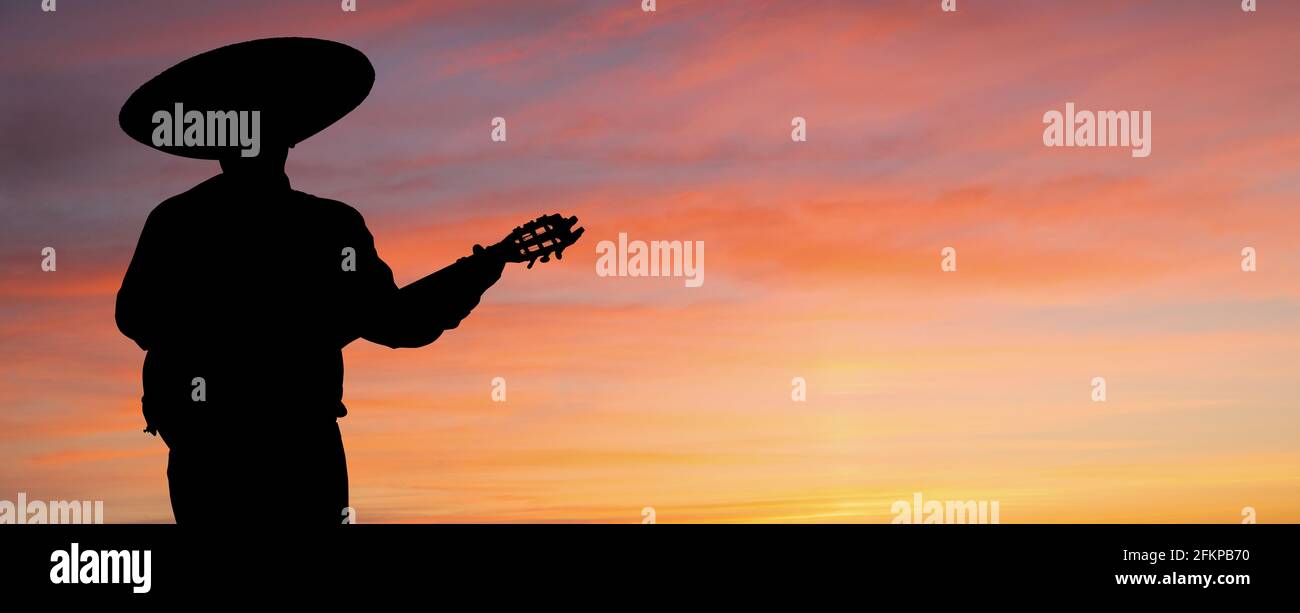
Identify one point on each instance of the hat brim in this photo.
(299, 86)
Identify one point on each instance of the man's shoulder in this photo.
(207, 197)
(328, 204)
(186, 201)
(339, 210)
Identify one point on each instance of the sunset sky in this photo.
(822, 257)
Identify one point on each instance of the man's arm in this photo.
(417, 314)
(136, 309)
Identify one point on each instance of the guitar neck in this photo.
(502, 250)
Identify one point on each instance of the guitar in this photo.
(537, 239)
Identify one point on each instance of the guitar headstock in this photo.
(539, 239)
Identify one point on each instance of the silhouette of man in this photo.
(243, 291)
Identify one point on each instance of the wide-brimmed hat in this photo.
(299, 86)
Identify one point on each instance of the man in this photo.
(243, 291)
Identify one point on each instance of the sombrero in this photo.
(299, 86)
